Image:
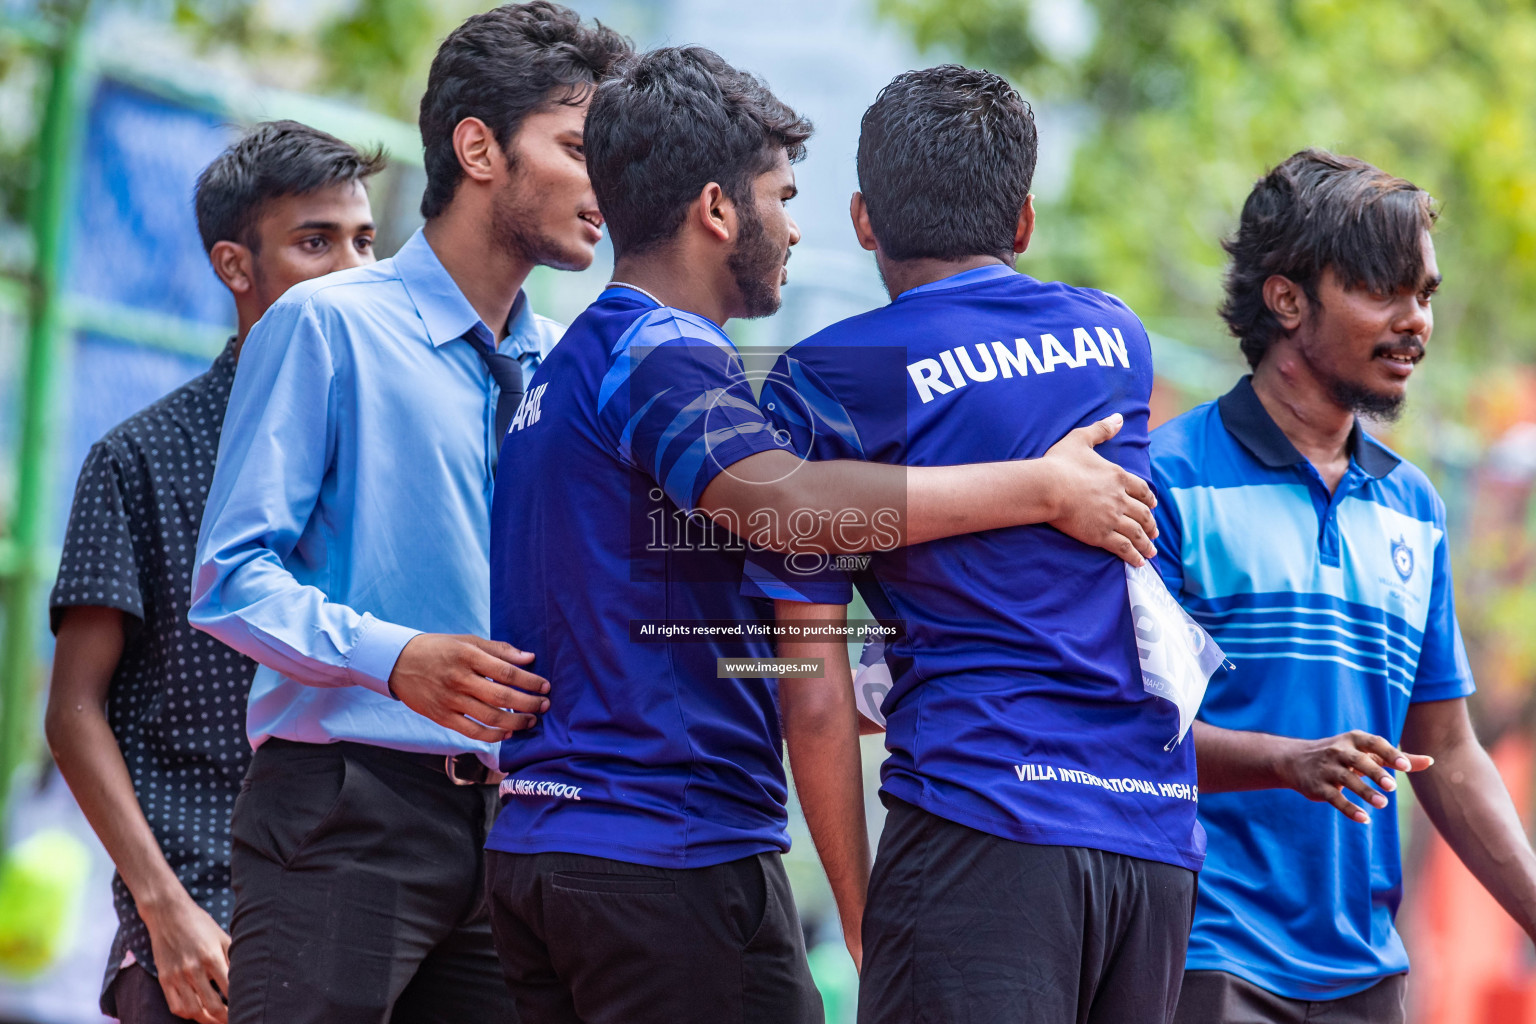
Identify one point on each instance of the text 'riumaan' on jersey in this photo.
(1017, 706)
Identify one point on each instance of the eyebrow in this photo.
(794, 190)
(1432, 283)
(329, 225)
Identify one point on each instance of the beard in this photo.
(1361, 400)
(755, 264)
(515, 230)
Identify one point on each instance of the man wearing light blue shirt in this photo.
(345, 548)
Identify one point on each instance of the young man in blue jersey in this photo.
(1318, 560)
(634, 873)
(1038, 860)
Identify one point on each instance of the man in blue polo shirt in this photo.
(1039, 858)
(634, 874)
(1318, 560)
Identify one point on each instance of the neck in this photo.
(1301, 407)
(904, 275)
(245, 319)
(488, 275)
(676, 281)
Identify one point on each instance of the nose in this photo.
(1416, 318)
(350, 256)
(794, 232)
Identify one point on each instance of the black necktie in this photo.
(505, 371)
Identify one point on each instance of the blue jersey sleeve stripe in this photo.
(626, 436)
(682, 482)
(761, 581)
(825, 408)
(686, 417)
(625, 361)
(780, 410)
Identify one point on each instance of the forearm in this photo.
(1468, 803)
(821, 732)
(824, 759)
(88, 757)
(246, 598)
(1231, 761)
(90, 644)
(849, 506)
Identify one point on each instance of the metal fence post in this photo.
(23, 591)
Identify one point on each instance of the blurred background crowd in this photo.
(1155, 118)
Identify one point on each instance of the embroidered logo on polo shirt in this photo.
(1402, 558)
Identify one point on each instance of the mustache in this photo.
(1409, 346)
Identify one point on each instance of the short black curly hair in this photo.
(946, 158)
(669, 122)
(501, 66)
(272, 160)
(1319, 211)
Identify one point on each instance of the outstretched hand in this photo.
(1102, 504)
(1324, 769)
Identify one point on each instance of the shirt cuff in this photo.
(377, 649)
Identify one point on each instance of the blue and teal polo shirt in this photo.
(1338, 613)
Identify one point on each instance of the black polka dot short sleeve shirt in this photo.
(177, 701)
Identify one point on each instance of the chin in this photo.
(577, 256)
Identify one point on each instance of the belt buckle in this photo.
(450, 769)
(488, 776)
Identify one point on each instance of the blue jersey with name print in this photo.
(644, 755)
(1017, 705)
(1337, 612)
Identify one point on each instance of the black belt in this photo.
(461, 769)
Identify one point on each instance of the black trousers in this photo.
(963, 927)
(140, 999)
(359, 894)
(1216, 997)
(587, 940)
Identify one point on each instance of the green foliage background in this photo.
(1187, 103)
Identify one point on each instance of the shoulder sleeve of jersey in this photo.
(806, 414)
(676, 404)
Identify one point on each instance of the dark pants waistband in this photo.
(461, 769)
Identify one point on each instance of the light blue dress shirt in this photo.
(350, 505)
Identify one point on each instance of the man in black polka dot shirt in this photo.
(146, 715)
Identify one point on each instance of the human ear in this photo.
(714, 212)
(1286, 300)
(862, 229)
(475, 145)
(235, 265)
(1025, 227)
